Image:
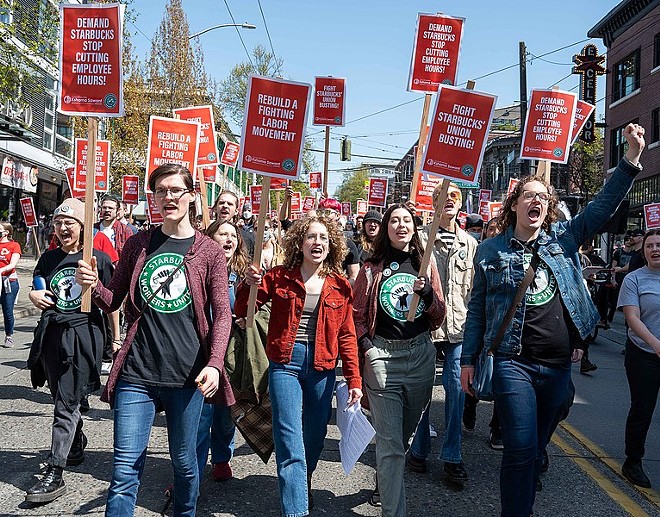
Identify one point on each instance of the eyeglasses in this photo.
(544, 197)
(175, 192)
(65, 224)
(454, 195)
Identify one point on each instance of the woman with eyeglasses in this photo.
(67, 347)
(310, 329)
(10, 254)
(399, 355)
(174, 280)
(532, 365)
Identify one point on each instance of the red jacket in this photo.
(206, 274)
(335, 331)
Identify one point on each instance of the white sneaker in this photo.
(105, 368)
(9, 342)
(432, 432)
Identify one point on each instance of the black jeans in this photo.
(643, 372)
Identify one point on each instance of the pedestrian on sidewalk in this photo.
(67, 345)
(532, 365)
(399, 355)
(640, 300)
(10, 254)
(311, 328)
(173, 278)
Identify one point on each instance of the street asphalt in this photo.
(582, 479)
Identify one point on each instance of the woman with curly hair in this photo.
(399, 356)
(314, 326)
(532, 365)
(216, 427)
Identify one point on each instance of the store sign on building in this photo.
(589, 65)
(19, 175)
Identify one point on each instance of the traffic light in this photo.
(345, 150)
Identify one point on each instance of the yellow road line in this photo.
(617, 495)
(650, 494)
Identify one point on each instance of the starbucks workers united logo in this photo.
(67, 291)
(396, 294)
(174, 296)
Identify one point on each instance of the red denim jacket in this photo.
(335, 330)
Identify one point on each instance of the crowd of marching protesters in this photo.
(170, 326)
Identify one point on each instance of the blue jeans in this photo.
(301, 399)
(134, 411)
(454, 401)
(528, 397)
(8, 300)
(216, 431)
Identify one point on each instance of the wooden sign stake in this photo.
(325, 160)
(258, 245)
(420, 147)
(430, 244)
(36, 241)
(206, 218)
(90, 183)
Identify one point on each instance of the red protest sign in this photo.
(459, 133)
(512, 184)
(329, 106)
(425, 187)
(583, 111)
(314, 180)
(296, 202)
(435, 55)
(362, 206)
(461, 217)
(70, 173)
(171, 141)
(484, 209)
(308, 204)
(153, 213)
(274, 127)
(29, 215)
(652, 216)
(494, 208)
(207, 152)
(130, 193)
(485, 194)
(255, 197)
(102, 164)
(230, 154)
(346, 208)
(377, 193)
(90, 60)
(278, 184)
(549, 125)
(210, 174)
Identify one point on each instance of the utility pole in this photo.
(524, 164)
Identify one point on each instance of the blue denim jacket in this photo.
(499, 269)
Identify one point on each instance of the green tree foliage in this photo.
(586, 173)
(353, 186)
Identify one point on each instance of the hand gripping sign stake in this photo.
(259, 238)
(428, 251)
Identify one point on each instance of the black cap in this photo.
(637, 232)
(372, 215)
(474, 220)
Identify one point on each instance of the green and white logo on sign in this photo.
(395, 296)
(544, 285)
(68, 292)
(174, 295)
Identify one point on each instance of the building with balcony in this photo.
(631, 33)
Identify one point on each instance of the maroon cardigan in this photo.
(206, 274)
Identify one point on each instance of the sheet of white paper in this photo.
(356, 431)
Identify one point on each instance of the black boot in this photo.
(77, 452)
(310, 497)
(49, 488)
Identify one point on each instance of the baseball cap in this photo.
(372, 215)
(637, 232)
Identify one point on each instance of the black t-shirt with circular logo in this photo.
(59, 270)
(166, 350)
(545, 335)
(395, 292)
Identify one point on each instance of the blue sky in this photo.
(370, 43)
